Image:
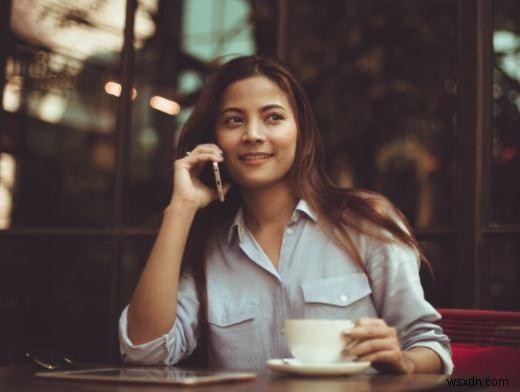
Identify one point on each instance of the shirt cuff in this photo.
(442, 350)
(153, 352)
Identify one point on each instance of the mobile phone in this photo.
(218, 181)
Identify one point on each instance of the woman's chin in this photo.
(258, 183)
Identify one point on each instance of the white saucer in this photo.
(293, 366)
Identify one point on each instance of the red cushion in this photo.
(487, 361)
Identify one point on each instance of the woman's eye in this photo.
(233, 120)
(275, 117)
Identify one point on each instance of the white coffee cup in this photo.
(314, 341)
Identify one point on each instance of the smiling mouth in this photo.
(254, 156)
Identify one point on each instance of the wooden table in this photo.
(20, 379)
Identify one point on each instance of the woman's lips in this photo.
(256, 157)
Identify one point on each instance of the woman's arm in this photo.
(152, 309)
(407, 332)
(424, 360)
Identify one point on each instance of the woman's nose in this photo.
(253, 133)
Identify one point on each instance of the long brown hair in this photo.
(341, 211)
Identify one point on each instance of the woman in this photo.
(287, 243)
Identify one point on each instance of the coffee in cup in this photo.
(317, 340)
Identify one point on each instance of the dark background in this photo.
(416, 100)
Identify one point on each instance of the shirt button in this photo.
(343, 298)
(289, 230)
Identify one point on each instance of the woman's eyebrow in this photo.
(231, 109)
(272, 106)
(262, 109)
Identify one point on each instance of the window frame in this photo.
(471, 229)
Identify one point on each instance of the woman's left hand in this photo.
(377, 342)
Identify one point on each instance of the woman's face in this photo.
(257, 131)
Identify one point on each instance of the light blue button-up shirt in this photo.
(249, 299)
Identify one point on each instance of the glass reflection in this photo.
(59, 120)
(7, 175)
(170, 69)
(213, 29)
(439, 283)
(503, 273)
(135, 254)
(505, 182)
(54, 293)
(382, 82)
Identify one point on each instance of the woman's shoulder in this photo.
(370, 212)
(376, 200)
(375, 224)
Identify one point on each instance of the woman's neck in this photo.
(268, 207)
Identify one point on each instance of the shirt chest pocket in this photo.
(346, 296)
(233, 327)
(228, 312)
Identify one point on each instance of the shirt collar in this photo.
(304, 207)
(239, 226)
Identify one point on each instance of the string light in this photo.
(165, 105)
(114, 88)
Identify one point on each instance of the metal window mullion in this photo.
(486, 53)
(485, 29)
(124, 113)
(474, 115)
(281, 34)
(123, 127)
(55, 232)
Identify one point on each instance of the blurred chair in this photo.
(485, 343)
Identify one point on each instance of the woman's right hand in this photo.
(187, 187)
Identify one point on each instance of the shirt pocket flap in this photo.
(225, 313)
(338, 290)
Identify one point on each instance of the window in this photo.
(419, 101)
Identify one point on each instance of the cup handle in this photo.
(349, 345)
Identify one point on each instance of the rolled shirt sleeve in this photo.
(399, 298)
(173, 346)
